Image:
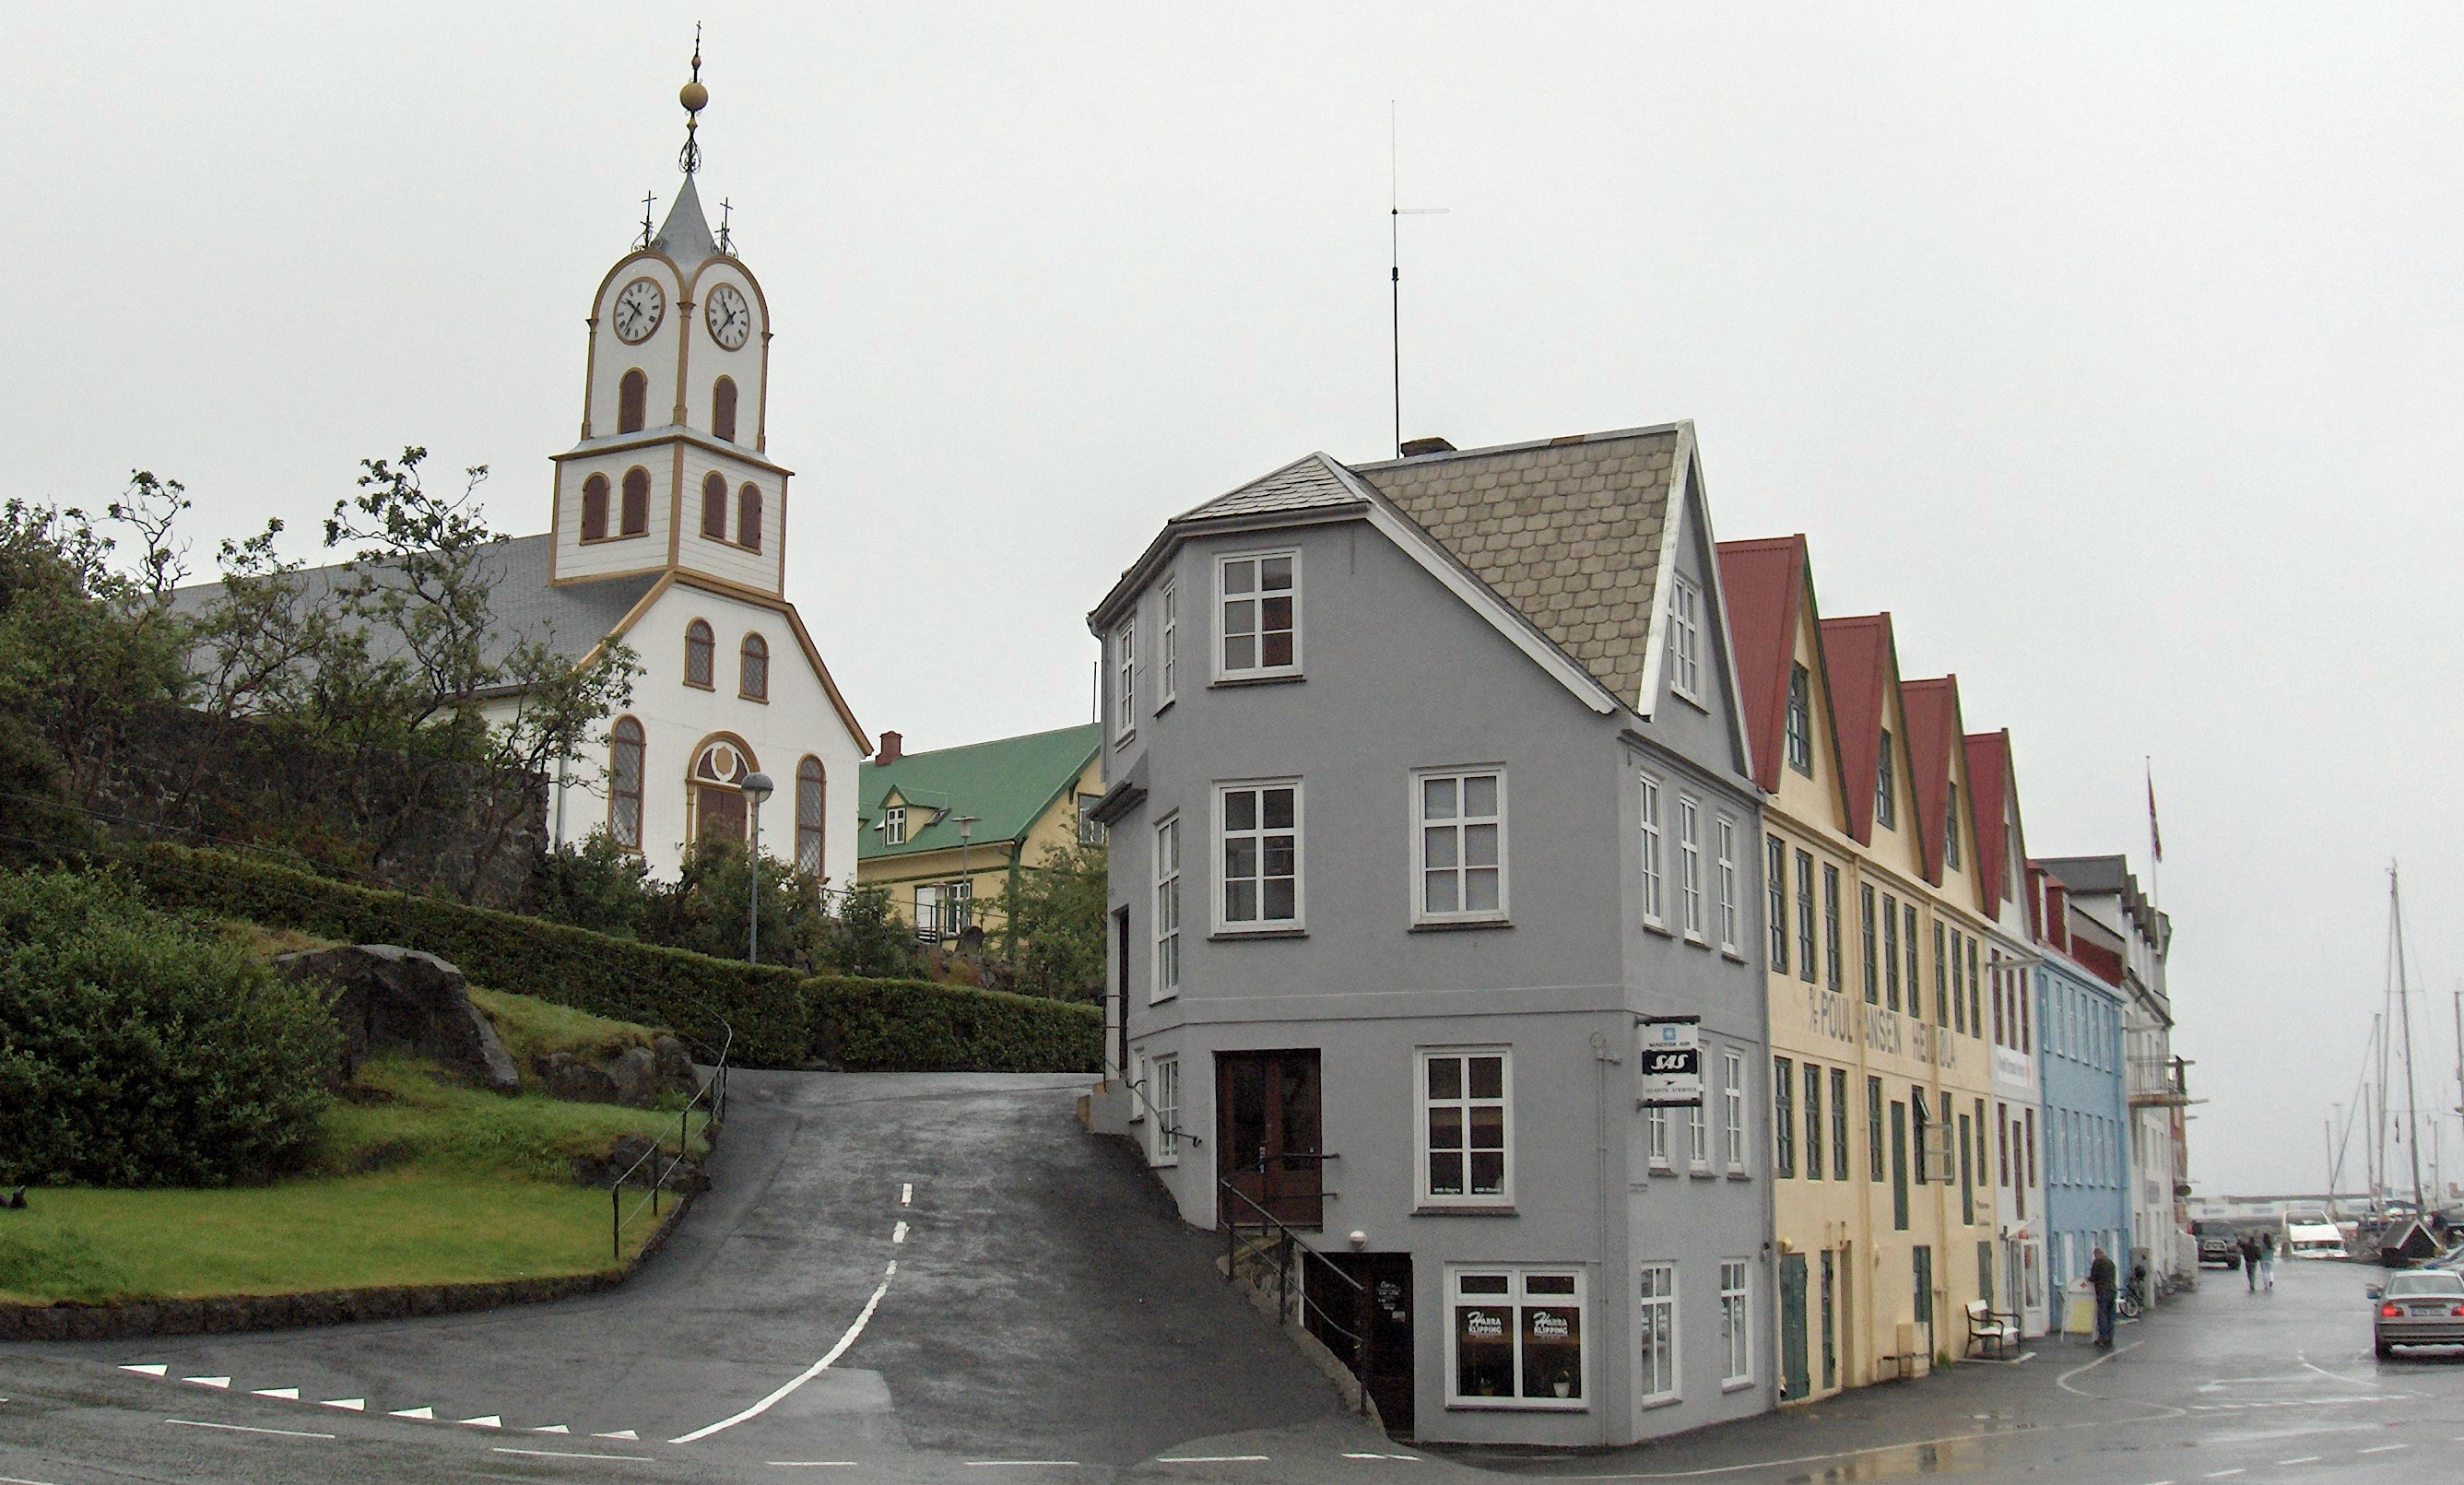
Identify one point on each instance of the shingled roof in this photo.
(1990, 790)
(1569, 532)
(1931, 712)
(1764, 581)
(1857, 662)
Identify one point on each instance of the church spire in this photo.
(686, 236)
(695, 97)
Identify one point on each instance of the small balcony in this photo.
(2159, 1083)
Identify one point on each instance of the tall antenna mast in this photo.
(1395, 212)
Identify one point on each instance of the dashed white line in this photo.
(2217, 1475)
(287, 1394)
(11, 1479)
(2385, 1449)
(483, 1421)
(209, 1381)
(2305, 1459)
(853, 1330)
(991, 1464)
(907, 1194)
(623, 1433)
(553, 1428)
(422, 1413)
(241, 1428)
(356, 1405)
(564, 1453)
(812, 1464)
(1210, 1459)
(150, 1369)
(898, 1233)
(1397, 1458)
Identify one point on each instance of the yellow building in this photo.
(947, 830)
(1883, 1206)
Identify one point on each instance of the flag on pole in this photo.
(2155, 836)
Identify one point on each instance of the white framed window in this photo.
(1685, 639)
(928, 910)
(1655, 1325)
(1258, 596)
(1732, 1107)
(1951, 831)
(1727, 836)
(1886, 794)
(1167, 911)
(1466, 1126)
(1461, 841)
(1775, 907)
(1736, 1320)
(1258, 829)
(1163, 1077)
(1170, 602)
(893, 825)
(1125, 680)
(1514, 1338)
(1698, 1138)
(1655, 1127)
(1689, 865)
(1655, 904)
(1799, 729)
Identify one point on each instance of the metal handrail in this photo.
(715, 1091)
(1139, 1088)
(1285, 1240)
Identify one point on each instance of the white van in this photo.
(2312, 1239)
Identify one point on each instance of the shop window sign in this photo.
(1518, 1338)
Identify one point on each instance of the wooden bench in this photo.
(1997, 1330)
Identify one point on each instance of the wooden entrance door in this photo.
(1378, 1293)
(1266, 1124)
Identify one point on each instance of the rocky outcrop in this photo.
(635, 1075)
(392, 998)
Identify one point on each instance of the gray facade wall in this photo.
(1399, 674)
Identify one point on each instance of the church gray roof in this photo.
(569, 619)
(685, 236)
(1313, 482)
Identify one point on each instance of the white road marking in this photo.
(356, 1405)
(898, 1234)
(2305, 1459)
(907, 1194)
(287, 1394)
(990, 1464)
(1210, 1459)
(619, 1434)
(11, 1479)
(560, 1453)
(812, 1464)
(150, 1369)
(414, 1412)
(553, 1428)
(484, 1421)
(240, 1427)
(208, 1382)
(2385, 1449)
(1401, 1458)
(2217, 1475)
(863, 1319)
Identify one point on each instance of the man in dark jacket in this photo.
(2101, 1279)
(2250, 1260)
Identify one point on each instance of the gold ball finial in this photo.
(695, 97)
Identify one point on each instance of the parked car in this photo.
(2218, 1243)
(2425, 1307)
(2319, 1239)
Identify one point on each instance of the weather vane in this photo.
(695, 97)
(647, 199)
(726, 245)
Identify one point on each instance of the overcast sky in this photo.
(2115, 351)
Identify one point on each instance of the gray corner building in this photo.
(1427, 790)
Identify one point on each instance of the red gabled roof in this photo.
(1988, 777)
(1931, 709)
(1763, 582)
(1855, 661)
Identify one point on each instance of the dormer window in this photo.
(1800, 720)
(722, 409)
(1259, 600)
(714, 506)
(1886, 797)
(633, 399)
(893, 825)
(594, 508)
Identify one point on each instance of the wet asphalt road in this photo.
(1049, 1319)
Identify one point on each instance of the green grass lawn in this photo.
(417, 1180)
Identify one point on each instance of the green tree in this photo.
(1056, 915)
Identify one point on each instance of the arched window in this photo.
(757, 668)
(632, 396)
(702, 655)
(809, 808)
(714, 506)
(637, 501)
(625, 783)
(748, 518)
(712, 788)
(722, 408)
(594, 508)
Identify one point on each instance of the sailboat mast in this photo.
(2404, 1004)
(2374, 1109)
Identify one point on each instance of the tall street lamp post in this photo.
(966, 834)
(757, 787)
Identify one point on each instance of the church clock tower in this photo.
(671, 473)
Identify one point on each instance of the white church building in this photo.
(667, 527)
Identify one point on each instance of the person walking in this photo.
(2267, 1261)
(2250, 1260)
(2101, 1279)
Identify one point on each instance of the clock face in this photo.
(638, 310)
(730, 317)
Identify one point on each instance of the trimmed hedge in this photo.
(918, 1026)
(781, 1017)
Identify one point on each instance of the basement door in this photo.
(1266, 1124)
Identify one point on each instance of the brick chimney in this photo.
(888, 751)
(1415, 447)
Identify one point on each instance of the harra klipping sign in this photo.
(1671, 1061)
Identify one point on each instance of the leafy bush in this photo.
(139, 1049)
(1056, 917)
(917, 1026)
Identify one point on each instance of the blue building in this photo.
(2080, 1052)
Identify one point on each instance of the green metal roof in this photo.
(1006, 784)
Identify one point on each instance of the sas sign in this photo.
(1672, 1063)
